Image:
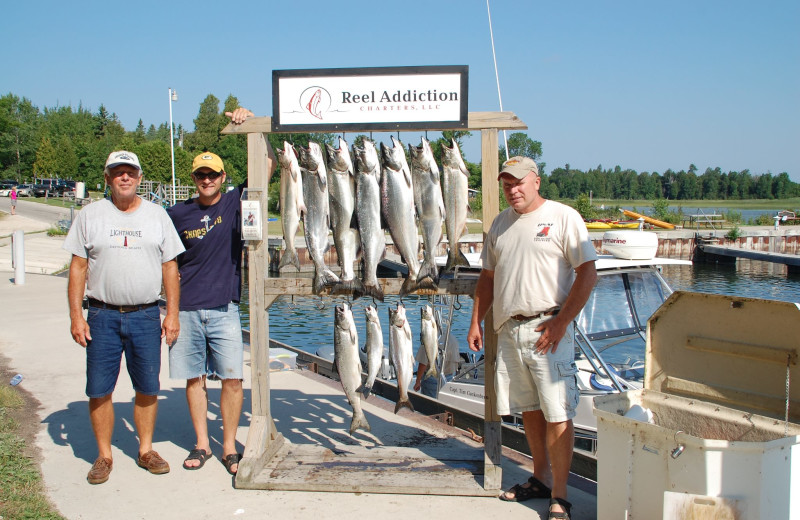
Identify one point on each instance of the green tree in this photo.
(206, 127)
(584, 206)
(19, 127)
(47, 161)
(520, 144)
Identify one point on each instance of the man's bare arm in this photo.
(76, 288)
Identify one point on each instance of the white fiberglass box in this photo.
(721, 379)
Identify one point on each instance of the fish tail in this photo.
(324, 279)
(373, 290)
(409, 286)
(431, 372)
(403, 402)
(288, 258)
(359, 421)
(354, 287)
(366, 389)
(428, 269)
(455, 257)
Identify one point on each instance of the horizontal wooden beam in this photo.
(303, 286)
(476, 121)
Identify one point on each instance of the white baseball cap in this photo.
(121, 157)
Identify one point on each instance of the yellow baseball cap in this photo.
(208, 160)
(519, 167)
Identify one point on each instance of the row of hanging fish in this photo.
(358, 201)
(401, 354)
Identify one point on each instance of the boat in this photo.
(611, 224)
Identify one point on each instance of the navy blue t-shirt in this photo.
(211, 266)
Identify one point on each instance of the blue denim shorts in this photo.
(137, 335)
(210, 344)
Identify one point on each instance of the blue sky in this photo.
(639, 84)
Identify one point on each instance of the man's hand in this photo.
(170, 328)
(239, 115)
(475, 337)
(552, 331)
(80, 331)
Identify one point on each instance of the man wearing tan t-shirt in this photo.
(538, 272)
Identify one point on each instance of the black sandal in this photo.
(196, 454)
(230, 460)
(566, 515)
(537, 489)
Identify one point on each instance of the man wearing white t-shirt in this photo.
(538, 272)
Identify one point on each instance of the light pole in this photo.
(173, 96)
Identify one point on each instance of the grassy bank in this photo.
(21, 490)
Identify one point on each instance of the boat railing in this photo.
(594, 358)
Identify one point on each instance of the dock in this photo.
(726, 254)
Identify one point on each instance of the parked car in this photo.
(5, 190)
(40, 190)
(25, 190)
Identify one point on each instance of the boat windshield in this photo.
(615, 316)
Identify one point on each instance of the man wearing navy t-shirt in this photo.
(210, 343)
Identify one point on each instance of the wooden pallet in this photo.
(382, 469)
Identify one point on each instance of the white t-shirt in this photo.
(534, 256)
(125, 250)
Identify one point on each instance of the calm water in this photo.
(307, 322)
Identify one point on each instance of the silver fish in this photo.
(342, 201)
(401, 354)
(455, 203)
(374, 348)
(429, 205)
(397, 208)
(368, 210)
(429, 338)
(316, 220)
(291, 202)
(348, 365)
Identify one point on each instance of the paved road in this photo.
(36, 210)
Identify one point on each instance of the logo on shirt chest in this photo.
(544, 231)
(201, 232)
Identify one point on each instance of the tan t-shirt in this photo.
(534, 257)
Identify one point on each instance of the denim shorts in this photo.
(210, 344)
(138, 335)
(529, 381)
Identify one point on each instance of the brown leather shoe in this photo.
(100, 471)
(152, 462)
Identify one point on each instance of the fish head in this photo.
(398, 316)
(287, 156)
(339, 158)
(344, 316)
(426, 312)
(311, 158)
(451, 156)
(394, 157)
(372, 313)
(366, 157)
(422, 156)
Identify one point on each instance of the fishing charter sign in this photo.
(383, 98)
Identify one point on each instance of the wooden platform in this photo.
(383, 469)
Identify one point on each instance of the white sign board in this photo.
(251, 220)
(370, 98)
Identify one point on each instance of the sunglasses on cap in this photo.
(207, 175)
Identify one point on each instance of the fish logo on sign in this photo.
(315, 101)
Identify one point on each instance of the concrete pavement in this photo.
(37, 344)
(43, 254)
